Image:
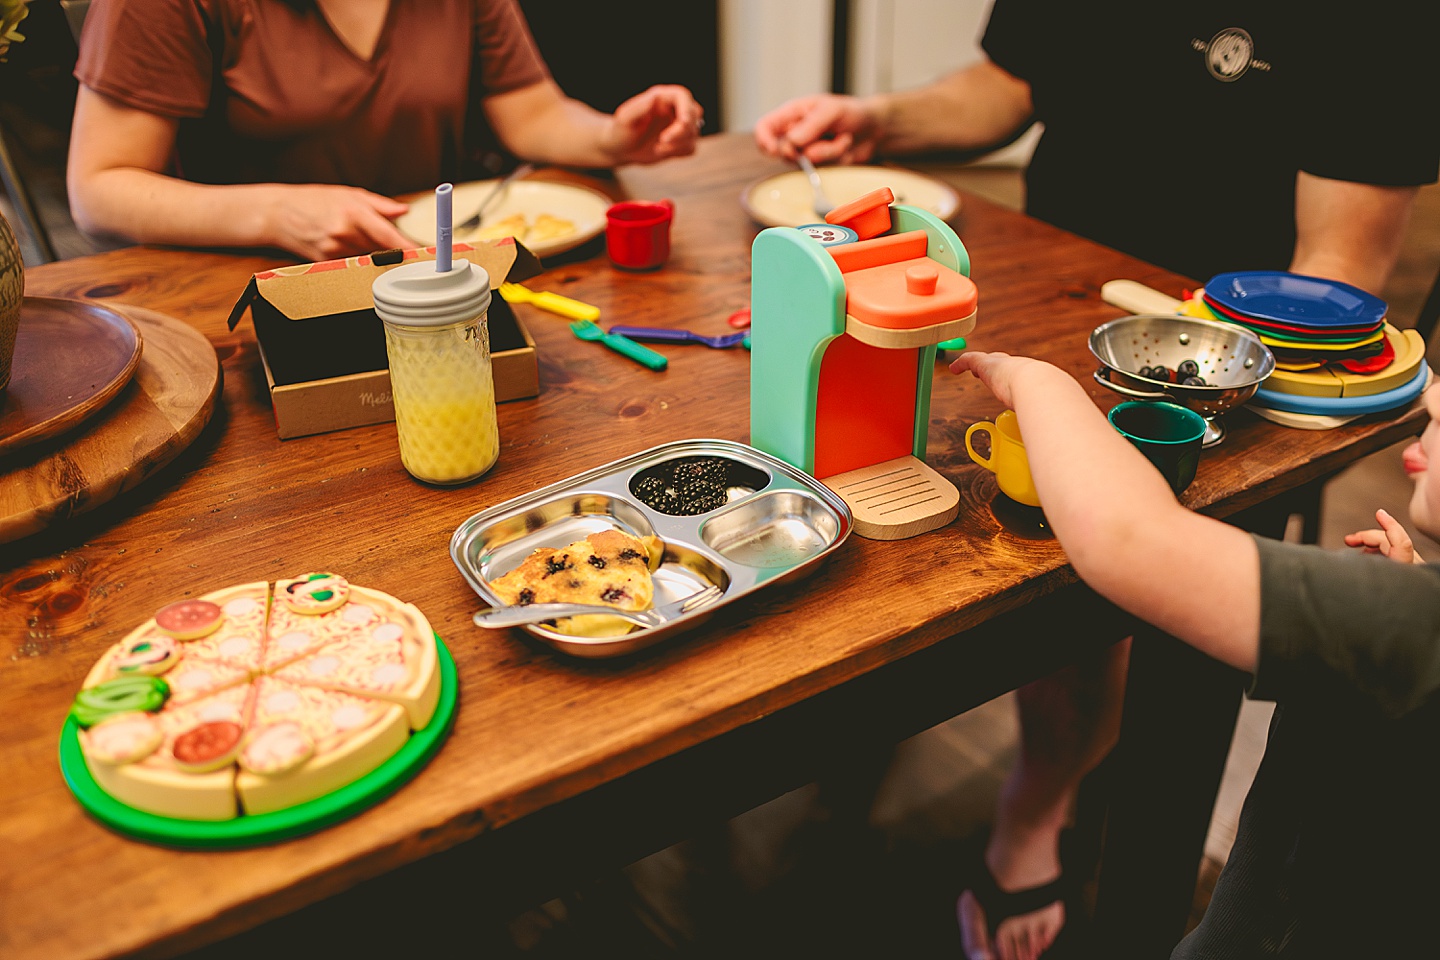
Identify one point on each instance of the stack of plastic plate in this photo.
(1335, 355)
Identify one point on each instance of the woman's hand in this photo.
(1390, 540)
(327, 222)
(827, 128)
(664, 121)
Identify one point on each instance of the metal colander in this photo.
(1232, 360)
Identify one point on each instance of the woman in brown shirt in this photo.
(292, 123)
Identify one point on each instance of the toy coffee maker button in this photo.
(829, 234)
(868, 215)
(921, 280)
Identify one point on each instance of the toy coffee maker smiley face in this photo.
(845, 319)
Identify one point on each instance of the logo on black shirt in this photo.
(1229, 54)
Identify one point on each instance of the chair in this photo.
(22, 199)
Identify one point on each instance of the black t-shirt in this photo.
(1174, 129)
(1337, 843)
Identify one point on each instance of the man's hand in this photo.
(324, 222)
(827, 128)
(1390, 540)
(664, 121)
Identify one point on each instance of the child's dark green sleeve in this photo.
(1347, 629)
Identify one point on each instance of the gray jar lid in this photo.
(418, 295)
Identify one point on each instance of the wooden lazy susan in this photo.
(101, 396)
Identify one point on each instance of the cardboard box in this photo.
(323, 347)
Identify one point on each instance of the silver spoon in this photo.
(515, 616)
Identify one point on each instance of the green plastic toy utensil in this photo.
(624, 346)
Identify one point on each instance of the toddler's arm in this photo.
(1120, 525)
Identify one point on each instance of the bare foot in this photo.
(1023, 937)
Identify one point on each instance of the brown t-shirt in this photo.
(265, 91)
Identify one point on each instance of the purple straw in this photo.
(443, 215)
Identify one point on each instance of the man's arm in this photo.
(1349, 231)
(975, 107)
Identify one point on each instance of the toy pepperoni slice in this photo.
(208, 746)
(189, 619)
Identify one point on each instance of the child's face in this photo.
(1419, 456)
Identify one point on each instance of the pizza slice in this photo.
(310, 612)
(511, 226)
(305, 742)
(390, 655)
(189, 770)
(225, 628)
(547, 227)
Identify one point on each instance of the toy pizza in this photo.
(250, 700)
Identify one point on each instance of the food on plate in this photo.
(294, 693)
(546, 227)
(686, 487)
(511, 226)
(608, 568)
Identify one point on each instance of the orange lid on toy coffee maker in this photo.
(868, 215)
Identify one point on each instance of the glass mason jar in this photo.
(438, 342)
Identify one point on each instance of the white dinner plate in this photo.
(785, 200)
(583, 207)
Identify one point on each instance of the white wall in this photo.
(772, 51)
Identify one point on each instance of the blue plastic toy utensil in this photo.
(624, 346)
(667, 335)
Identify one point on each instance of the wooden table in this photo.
(555, 765)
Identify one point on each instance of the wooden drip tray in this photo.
(889, 338)
(896, 499)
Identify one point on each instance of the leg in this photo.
(1068, 723)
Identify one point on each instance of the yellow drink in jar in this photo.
(440, 379)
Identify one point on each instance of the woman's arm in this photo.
(117, 186)
(538, 122)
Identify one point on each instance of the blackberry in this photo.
(651, 491)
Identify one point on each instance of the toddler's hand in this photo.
(1390, 540)
(996, 370)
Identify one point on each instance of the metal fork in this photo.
(515, 616)
(821, 202)
(524, 170)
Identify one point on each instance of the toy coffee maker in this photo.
(845, 321)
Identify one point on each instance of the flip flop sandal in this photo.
(1000, 905)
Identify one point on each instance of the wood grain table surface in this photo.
(535, 730)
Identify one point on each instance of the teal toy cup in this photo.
(1168, 434)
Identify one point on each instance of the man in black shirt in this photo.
(1204, 138)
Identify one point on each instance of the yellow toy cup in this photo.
(1007, 458)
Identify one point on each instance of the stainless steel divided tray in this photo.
(776, 524)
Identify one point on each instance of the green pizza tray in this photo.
(246, 830)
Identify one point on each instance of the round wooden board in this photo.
(158, 414)
(71, 358)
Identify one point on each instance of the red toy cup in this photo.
(637, 233)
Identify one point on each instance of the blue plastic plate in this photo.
(1345, 406)
(1295, 299)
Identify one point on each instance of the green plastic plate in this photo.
(262, 828)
